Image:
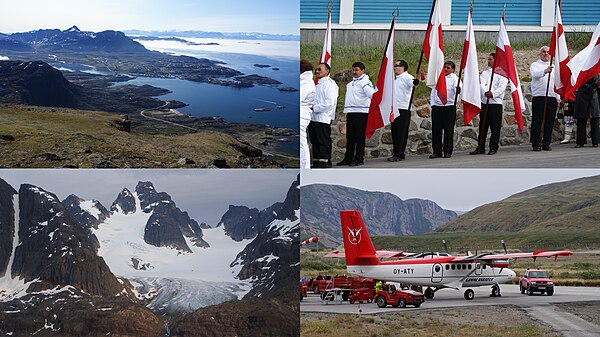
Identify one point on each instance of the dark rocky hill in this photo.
(565, 206)
(7, 224)
(86, 219)
(74, 40)
(384, 213)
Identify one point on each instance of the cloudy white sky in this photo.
(455, 189)
(265, 16)
(204, 194)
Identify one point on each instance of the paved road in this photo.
(539, 306)
(561, 156)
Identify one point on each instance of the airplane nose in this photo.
(511, 274)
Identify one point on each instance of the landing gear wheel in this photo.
(469, 294)
(402, 303)
(429, 293)
(495, 291)
(381, 301)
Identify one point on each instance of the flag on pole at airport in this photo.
(326, 52)
(381, 110)
(433, 48)
(586, 64)
(505, 66)
(558, 50)
(470, 94)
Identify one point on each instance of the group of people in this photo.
(318, 104)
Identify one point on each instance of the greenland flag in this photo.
(505, 66)
(326, 52)
(470, 94)
(558, 50)
(586, 64)
(381, 110)
(433, 48)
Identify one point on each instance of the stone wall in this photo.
(419, 137)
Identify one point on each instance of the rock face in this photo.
(88, 213)
(168, 224)
(55, 249)
(384, 213)
(271, 259)
(7, 224)
(125, 203)
(242, 223)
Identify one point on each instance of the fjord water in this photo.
(236, 104)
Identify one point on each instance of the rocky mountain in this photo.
(565, 206)
(384, 213)
(52, 249)
(74, 40)
(241, 222)
(271, 260)
(7, 224)
(89, 213)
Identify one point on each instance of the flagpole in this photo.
(548, 83)
(412, 94)
(461, 61)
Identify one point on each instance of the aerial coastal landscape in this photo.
(150, 97)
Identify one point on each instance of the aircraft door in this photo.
(478, 269)
(437, 273)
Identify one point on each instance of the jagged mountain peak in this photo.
(125, 202)
(72, 29)
(89, 213)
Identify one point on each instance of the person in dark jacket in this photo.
(587, 105)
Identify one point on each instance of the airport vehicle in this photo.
(389, 295)
(434, 270)
(353, 289)
(319, 284)
(536, 281)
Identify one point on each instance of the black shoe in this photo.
(344, 162)
(477, 151)
(537, 148)
(447, 155)
(492, 152)
(595, 145)
(402, 157)
(356, 163)
(433, 156)
(578, 146)
(546, 148)
(393, 158)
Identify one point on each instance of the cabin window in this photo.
(469, 266)
(484, 266)
(453, 267)
(447, 267)
(437, 269)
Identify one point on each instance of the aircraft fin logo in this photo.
(354, 236)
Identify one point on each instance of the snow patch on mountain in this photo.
(89, 206)
(9, 287)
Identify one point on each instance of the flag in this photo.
(326, 52)
(505, 66)
(433, 48)
(381, 110)
(586, 64)
(470, 94)
(558, 50)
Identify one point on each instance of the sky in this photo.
(204, 194)
(264, 16)
(454, 189)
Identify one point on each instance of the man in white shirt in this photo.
(403, 87)
(542, 124)
(490, 116)
(356, 107)
(307, 100)
(319, 129)
(443, 116)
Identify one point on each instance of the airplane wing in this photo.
(534, 255)
(382, 254)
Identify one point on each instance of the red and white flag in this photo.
(433, 48)
(558, 50)
(326, 52)
(505, 66)
(470, 93)
(381, 110)
(586, 64)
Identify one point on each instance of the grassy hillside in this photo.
(57, 137)
(572, 206)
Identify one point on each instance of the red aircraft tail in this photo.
(359, 249)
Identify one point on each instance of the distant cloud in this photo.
(3, 58)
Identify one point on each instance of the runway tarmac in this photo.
(448, 298)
